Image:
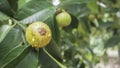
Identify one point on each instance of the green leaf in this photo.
(31, 8)
(113, 41)
(60, 64)
(76, 8)
(54, 50)
(11, 40)
(21, 3)
(46, 61)
(14, 56)
(68, 2)
(3, 16)
(39, 16)
(81, 29)
(13, 4)
(8, 7)
(92, 5)
(5, 31)
(29, 61)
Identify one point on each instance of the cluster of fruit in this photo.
(38, 34)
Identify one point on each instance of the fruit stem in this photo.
(60, 64)
(20, 24)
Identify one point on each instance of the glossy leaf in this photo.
(3, 16)
(54, 50)
(21, 3)
(13, 4)
(46, 61)
(11, 40)
(39, 16)
(32, 7)
(8, 7)
(5, 31)
(67, 2)
(29, 61)
(15, 55)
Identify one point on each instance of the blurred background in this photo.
(92, 40)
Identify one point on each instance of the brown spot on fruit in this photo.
(38, 34)
(42, 31)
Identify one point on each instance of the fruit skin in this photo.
(63, 19)
(38, 34)
(91, 17)
(100, 16)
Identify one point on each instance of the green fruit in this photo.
(63, 19)
(91, 17)
(38, 34)
(100, 16)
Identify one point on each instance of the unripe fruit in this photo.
(100, 16)
(91, 17)
(63, 19)
(38, 34)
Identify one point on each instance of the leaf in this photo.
(81, 29)
(77, 9)
(11, 40)
(39, 16)
(21, 3)
(13, 4)
(68, 2)
(11, 53)
(32, 7)
(107, 24)
(46, 61)
(14, 56)
(92, 5)
(29, 61)
(3, 16)
(113, 41)
(5, 32)
(54, 50)
(7, 7)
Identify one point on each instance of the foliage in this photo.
(95, 27)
